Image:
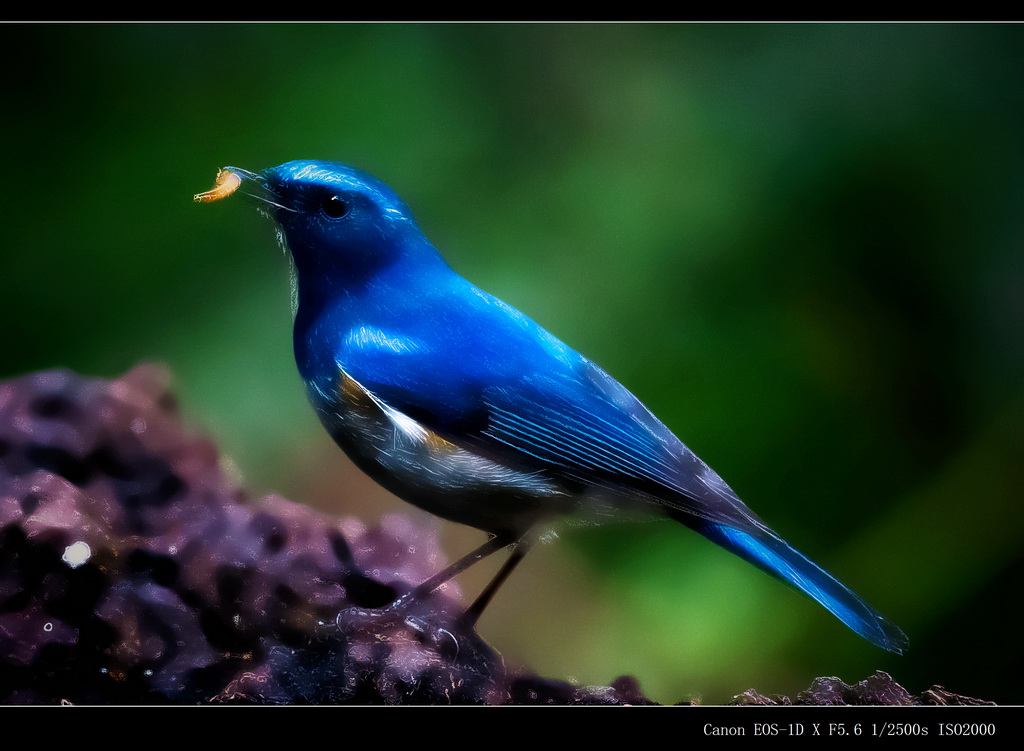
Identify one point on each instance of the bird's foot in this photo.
(422, 618)
(414, 636)
(435, 635)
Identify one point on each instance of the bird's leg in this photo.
(444, 639)
(492, 545)
(519, 550)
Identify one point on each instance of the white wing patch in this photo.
(405, 424)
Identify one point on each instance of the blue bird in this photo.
(463, 406)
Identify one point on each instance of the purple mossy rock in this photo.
(132, 570)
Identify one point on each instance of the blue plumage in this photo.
(464, 406)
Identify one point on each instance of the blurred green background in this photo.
(800, 245)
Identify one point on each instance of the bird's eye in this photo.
(334, 207)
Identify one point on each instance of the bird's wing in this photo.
(562, 415)
(594, 430)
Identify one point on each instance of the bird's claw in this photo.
(393, 618)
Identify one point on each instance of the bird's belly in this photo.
(425, 469)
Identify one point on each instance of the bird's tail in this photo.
(772, 554)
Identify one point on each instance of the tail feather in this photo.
(774, 556)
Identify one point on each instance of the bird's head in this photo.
(334, 219)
